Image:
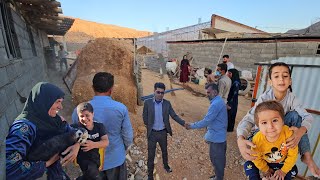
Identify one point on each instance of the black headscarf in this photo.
(40, 100)
(235, 75)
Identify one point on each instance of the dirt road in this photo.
(188, 152)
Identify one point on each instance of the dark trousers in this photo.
(253, 172)
(232, 113)
(63, 61)
(154, 138)
(292, 118)
(117, 173)
(217, 153)
(90, 170)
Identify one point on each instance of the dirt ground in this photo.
(188, 152)
(117, 60)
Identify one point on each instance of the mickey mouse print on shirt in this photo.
(276, 154)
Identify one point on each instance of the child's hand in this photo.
(269, 173)
(88, 146)
(279, 175)
(71, 154)
(296, 136)
(245, 150)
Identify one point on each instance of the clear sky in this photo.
(157, 16)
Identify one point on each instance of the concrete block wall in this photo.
(18, 75)
(243, 54)
(154, 63)
(75, 46)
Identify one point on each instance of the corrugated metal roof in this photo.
(305, 85)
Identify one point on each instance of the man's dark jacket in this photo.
(148, 115)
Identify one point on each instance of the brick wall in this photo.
(18, 75)
(242, 54)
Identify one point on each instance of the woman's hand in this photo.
(52, 160)
(62, 118)
(71, 154)
(88, 146)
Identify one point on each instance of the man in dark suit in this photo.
(156, 113)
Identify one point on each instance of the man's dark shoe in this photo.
(213, 177)
(168, 169)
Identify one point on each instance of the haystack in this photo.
(107, 55)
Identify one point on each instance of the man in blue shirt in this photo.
(115, 117)
(216, 121)
(156, 113)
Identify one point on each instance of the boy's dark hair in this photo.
(213, 87)
(102, 82)
(225, 56)
(85, 106)
(223, 67)
(268, 105)
(159, 85)
(209, 71)
(278, 64)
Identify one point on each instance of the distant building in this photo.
(206, 30)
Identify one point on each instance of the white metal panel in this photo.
(157, 42)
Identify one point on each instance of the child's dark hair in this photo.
(268, 105)
(102, 82)
(225, 56)
(159, 85)
(85, 106)
(278, 64)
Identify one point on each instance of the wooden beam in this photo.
(40, 8)
(50, 20)
(53, 17)
(40, 2)
(58, 10)
(313, 111)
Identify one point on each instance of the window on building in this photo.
(31, 40)
(8, 32)
(318, 51)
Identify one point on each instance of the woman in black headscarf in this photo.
(37, 123)
(232, 103)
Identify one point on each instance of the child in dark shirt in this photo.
(88, 157)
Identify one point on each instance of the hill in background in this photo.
(312, 30)
(83, 31)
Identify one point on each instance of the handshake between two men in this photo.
(187, 126)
